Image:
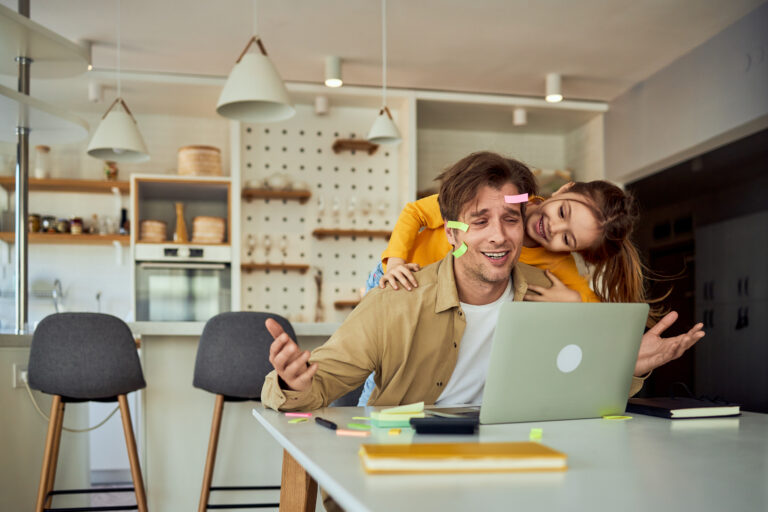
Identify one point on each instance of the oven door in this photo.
(181, 292)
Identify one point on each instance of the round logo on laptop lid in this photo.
(569, 358)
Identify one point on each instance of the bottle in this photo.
(125, 224)
(180, 235)
(42, 162)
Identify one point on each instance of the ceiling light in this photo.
(554, 93)
(333, 72)
(384, 129)
(519, 117)
(117, 137)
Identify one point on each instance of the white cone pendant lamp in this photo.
(254, 91)
(384, 129)
(117, 137)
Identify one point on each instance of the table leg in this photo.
(298, 491)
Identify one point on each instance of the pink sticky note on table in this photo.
(298, 415)
(352, 433)
(519, 198)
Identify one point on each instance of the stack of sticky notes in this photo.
(397, 417)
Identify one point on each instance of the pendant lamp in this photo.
(117, 137)
(384, 129)
(254, 91)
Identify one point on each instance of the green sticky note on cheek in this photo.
(460, 251)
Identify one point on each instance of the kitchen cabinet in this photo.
(731, 284)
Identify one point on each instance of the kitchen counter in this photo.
(15, 340)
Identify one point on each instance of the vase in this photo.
(180, 235)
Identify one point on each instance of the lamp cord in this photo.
(118, 49)
(75, 430)
(384, 53)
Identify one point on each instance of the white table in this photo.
(644, 464)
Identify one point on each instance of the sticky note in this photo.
(298, 420)
(405, 409)
(458, 253)
(459, 225)
(352, 433)
(617, 417)
(394, 431)
(519, 198)
(358, 426)
(366, 418)
(298, 415)
(535, 434)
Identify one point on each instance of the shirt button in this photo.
(454, 344)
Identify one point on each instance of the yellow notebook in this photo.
(460, 458)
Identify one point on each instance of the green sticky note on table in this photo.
(358, 426)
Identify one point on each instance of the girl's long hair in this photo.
(618, 269)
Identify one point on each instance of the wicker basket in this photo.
(199, 161)
(208, 230)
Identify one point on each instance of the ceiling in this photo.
(601, 47)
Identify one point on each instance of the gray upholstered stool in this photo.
(82, 357)
(232, 362)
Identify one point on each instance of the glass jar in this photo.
(62, 226)
(48, 224)
(76, 226)
(33, 223)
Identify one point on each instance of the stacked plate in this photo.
(208, 230)
(152, 231)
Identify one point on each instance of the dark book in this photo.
(682, 407)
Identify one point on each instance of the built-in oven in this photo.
(182, 283)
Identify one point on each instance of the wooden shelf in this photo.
(376, 233)
(248, 267)
(67, 238)
(341, 304)
(67, 185)
(263, 193)
(354, 145)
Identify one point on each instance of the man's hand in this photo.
(400, 271)
(656, 351)
(558, 292)
(289, 361)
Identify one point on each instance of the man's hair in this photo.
(459, 184)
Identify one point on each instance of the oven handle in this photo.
(191, 266)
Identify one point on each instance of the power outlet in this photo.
(18, 370)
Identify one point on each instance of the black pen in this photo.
(325, 423)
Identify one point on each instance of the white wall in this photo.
(715, 94)
(584, 153)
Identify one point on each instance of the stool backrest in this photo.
(233, 354)
(87, 356)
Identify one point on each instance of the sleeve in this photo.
(637, 384)
(344, 362)
(422, 213)
(567, 272)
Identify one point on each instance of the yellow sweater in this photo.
(419, 237)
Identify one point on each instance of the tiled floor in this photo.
(113, 498)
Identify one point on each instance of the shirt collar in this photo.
(448, 294)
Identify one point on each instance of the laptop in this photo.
(559, 361)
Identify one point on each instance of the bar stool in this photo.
(83, 357)
(232, 362)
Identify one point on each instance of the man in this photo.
(433, 343)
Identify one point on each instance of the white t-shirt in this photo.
(468, 379)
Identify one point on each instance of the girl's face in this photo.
(562, 223)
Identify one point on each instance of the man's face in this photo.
(494, 237)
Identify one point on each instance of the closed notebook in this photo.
(460, 457)
(682, 407)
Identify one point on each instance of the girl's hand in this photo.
(558, 292)
(400, 271)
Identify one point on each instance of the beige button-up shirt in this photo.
(410, 339)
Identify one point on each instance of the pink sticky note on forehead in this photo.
(519, 198)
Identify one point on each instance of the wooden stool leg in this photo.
(298, 490)
(210, 460)
(133, 456)
(49, 442)
(55, 456)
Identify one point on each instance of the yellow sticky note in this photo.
(361, 418)
(394, 431)
(535, 434)
(297, 420)
(617, 417)
(405, 409)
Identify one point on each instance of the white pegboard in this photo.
(361, 188)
